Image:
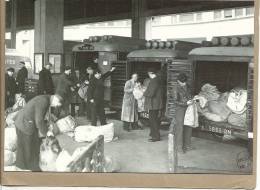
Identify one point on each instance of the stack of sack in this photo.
(223, 107)
(87, 133)
(237, 101)
(13, 111)
(10, 145)
(67, 125)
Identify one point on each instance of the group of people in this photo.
(153, 105)
(15, 85)
(38, 116)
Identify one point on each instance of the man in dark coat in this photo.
(45, 84)
(153, 103)
(10, 88)
(85, 81)
(96, 96)
(65, 88)
(22, 75)
(31, 127)
(182, 98)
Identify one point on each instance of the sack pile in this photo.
(87, 133)
(10, 145)
(49, 151)
(226, 107)
(67, 125)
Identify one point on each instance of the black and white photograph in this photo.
(129, 86)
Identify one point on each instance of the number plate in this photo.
(215, 129)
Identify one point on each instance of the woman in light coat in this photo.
(129, 113)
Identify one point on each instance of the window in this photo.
(186, 17)
(249, 11)
(199, 17)
(217, 15)
(156, 20)
(228, 13)
(174, 19)
(239, 12)
(110, 23)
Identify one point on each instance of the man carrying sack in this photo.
(31, 127)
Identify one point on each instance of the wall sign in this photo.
(55, 60)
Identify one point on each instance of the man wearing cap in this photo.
(10, 88)
(45, 83)
(65, 87)
(22, 75)
(31, 126)
(182, 97)
(153, 104)
(96, 96)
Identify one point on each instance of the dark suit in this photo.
(153, 103)
(63, 89)
(86, 105)
(10, 90)
(22, 75)
(30, 127)
(96, 92)
(45, 84)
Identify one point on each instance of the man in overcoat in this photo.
(153, 104)
(10, 88)
(96, 96)
(65, 88)
(45, 84)
(129, 114)
(31, 127)
(22, 75)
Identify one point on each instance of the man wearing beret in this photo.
(153, 103)
(45, 84)
(10, 88)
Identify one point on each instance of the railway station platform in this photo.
(132, 151)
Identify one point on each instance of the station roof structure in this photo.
(90, 11)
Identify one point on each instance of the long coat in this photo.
(96, 88)
(153, 95)
(63, 87)
(10, 90)
(30, 127)
(129, 107)
(22, 75)
(45, 84)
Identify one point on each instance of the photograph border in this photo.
(130, 179)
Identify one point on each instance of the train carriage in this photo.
(168, 58)
(107, 50)
(227, 63)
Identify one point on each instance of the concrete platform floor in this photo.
(135, 154)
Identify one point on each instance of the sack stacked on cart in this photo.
(214, 103)
(237, 102)
(10, 146)
(87, 133)
(67, 125)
